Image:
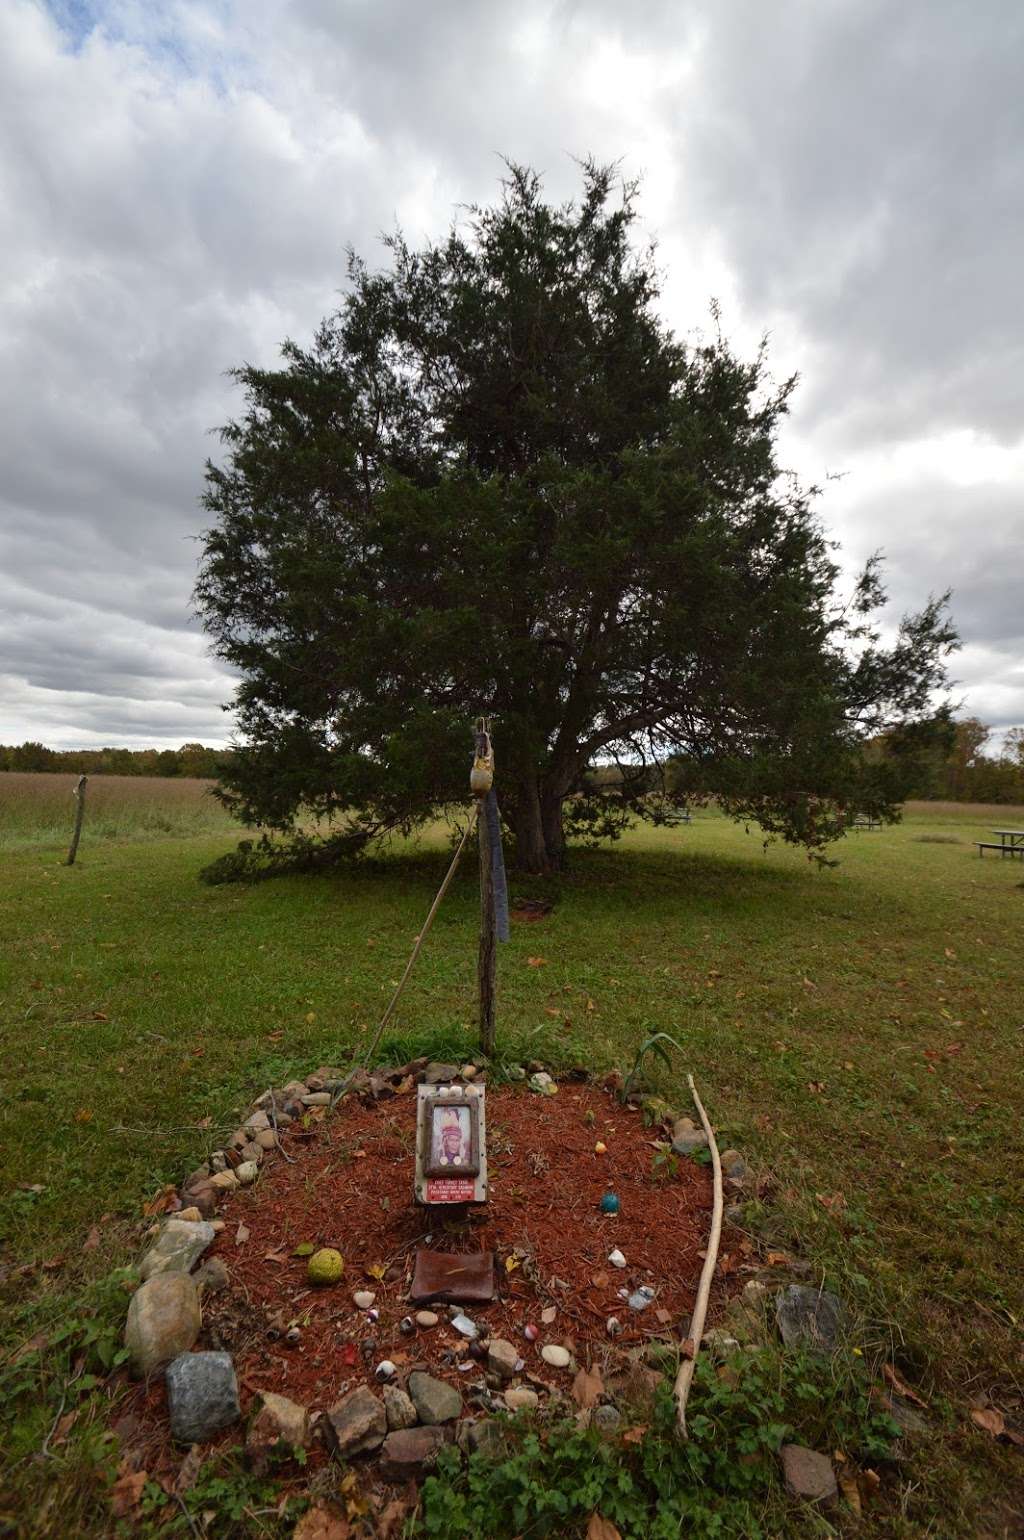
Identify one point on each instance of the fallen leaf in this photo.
(833, 1205)
(126, 1493)
(83, 1115)
(536, 962)
(188, 1473)
(377, 1270)
(402, 1089)
(550, 1010)
(511, 1263)
(687, 1348)
(205, 1123)
(275, 1256)
(349, 1355)
(635, 1435)
(601, 1529)
(63, 1428)
(322, 1522)
(869, 1482)
(391, 1518)
(600, 1280)
(304, 1249)
(92, 1240)
(816, 1086)
(778, 1259)
(34, 1344)
(587, 1388)
(663, 1317)
(900, 1388)
(241, 1235)
(850, 1490)
(166, 1199)
(989, 1419)
(548, 1314)
(53, 1264)
(950, 952)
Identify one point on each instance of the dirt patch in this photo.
(350, 1187)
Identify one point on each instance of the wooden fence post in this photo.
(488, 936)
(79, 795)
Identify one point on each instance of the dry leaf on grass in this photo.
(601, 1529)
(778, 1259)
(635, 1435)
(900, 1388)
(126, 1493)
(92, 1240)
(322, 1522)
(391, 1518)
(63, 1428)
(536, 962)
(989, 1419)
(191, 1465)
(850, 1490)
(587, 1388)
(165, 1200)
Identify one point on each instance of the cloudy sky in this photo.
(179, 180)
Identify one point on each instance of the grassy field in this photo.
(39, 809)
(855, 1031)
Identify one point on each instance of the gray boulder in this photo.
(808, 1317)
(178, 1247)
(202, 1396)
(357, 1424)
(399, 1409)
(435, 1401)
(809, 1475)
(410, 1453)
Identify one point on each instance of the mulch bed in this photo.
(350, 1187)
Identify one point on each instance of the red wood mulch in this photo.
(351, 1188)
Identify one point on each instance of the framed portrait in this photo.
(452, 1137)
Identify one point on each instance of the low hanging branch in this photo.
(684, 1379)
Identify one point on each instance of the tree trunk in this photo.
(540, 843)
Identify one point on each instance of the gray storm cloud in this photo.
(179, 185)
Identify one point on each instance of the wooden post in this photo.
(488, 936)
(79, 795)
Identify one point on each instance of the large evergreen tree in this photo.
(496, 483)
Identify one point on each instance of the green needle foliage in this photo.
(497, 483)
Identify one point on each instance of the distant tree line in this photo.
(951, 761)
(192, 759)
(963, 765)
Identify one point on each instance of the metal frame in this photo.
(437, 1104)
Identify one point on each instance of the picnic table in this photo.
(1011, 843)
(862, 821)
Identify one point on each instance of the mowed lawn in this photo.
(856, 1032)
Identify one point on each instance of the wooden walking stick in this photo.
(684, 1379)
(79, 794)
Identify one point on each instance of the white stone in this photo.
(247, 1173)
(363, 1299)
(426, 1318)
(616, 1258)
(557, 1357)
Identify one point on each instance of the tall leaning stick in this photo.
(79, 795)
(684, 1379)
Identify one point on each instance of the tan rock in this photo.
(164, 1318)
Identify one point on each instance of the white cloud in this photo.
(178, 182)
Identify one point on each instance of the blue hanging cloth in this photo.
(497, 865)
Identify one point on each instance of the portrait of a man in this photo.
(450, 1137)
